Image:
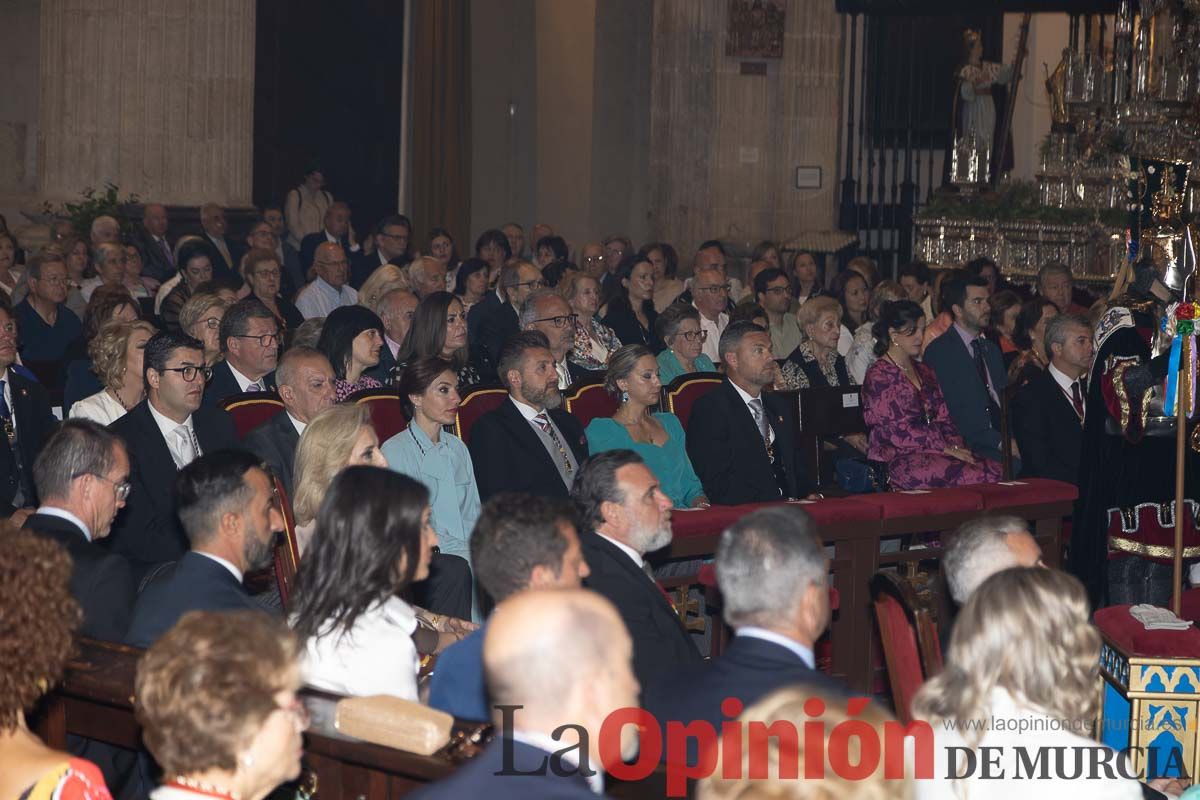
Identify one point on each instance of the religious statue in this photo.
(1056, 88)
(976, 107)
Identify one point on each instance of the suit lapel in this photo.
(156, 464)
(739, 412)
(522, 431)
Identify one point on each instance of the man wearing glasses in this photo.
(773, 291)
(82, 476)
(164, 433)
(250, 341)
(497, 322)
(546, 311)
(49, 328)
(328, 290)
(710, 296)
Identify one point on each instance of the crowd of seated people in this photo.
(406, 543)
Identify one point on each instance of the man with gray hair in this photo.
(489, 325)
(1056, 284)
(545, 310)
(395, 308)
(224, 258)
(626, 515)
(105, 229)
(110, 269)
(1048, 409)
(427, 275)
(981, 548)
(82, 476)
(774, 580)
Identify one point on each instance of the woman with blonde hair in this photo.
(797, 707)
(338, 437)
(117, 360)
(382, 280)
(200, 317)
(1023, 650)
(862, 348)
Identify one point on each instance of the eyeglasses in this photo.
(212, 323)
(560, 322)
(777, 290)
(720, 289)
(55, 281)
(189, 372)
(538, 284)
(266, 340)
(590, 259)
(266, 273)
(692, 336)
(121, 490)
(298, 712)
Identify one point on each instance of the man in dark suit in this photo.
(545, 310)
(150, 239)
(294, 275)
(1047, 412)
(82, 475)
(227, 507)
(306, 389)
(969, 366)
(250, 341)
(628, 516)
(554, 659)
(741, 440)
(223, 254)
(26, 423)
(773, 574)
(497, 321)
(164, 433)
(527, 444)
(391, 247)
(336, 230)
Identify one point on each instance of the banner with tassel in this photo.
(1180, 323)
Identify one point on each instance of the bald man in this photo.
(564, 659)
(329, 289)
(150, 238)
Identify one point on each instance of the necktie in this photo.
(543, 422)
(167, 251)
(981, 367)
(6, 418)
(764, 427)
(254, 387)
(1077, 398)
(187, 446)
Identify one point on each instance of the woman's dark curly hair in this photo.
(1028, 319)
(342, 327)
(900, 315)
(38, 617)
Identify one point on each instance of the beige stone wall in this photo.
(724, 146)
(156, 96)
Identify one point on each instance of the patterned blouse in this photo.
(74, 779)
(343, 389)
(587, 350)
(792, 374)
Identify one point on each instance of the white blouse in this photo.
(377, 656)
(100, 408)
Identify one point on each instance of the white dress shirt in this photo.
(376, 656)
(564, 374)
(8, 398)
(624, 548)
(297, 424)
(62, 513)
(712, 344)
(101, 408)
(242, 381)
(550, 745)
(319, 298)
(167, 427)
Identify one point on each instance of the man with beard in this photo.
(527, 444)
(227, 508)
(969, 367)
(557, 666)
(626, 515)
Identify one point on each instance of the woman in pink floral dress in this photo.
(910, 427)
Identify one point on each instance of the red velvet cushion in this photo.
(836, 510)
(711, 521)
(588, 401)
(900, 646)
(1118, 624)
(893, 505)
(1189, 605)
(688, 392)
(1026, 491)
(473, 406)
(387, 415)
(251, 409)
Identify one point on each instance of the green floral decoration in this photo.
(95, 204)
(1017, 201)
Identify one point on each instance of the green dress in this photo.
(669, 463)
(669, 367)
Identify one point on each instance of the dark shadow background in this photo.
(327, 88)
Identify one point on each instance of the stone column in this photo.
(155, 96)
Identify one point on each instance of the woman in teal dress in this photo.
(679, 328)
(425, 452)
(658, 438)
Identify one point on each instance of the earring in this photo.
(247, 761)
(624, 397)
